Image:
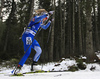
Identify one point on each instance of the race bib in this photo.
(28, 40)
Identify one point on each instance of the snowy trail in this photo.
(80, 74)
(57, 75)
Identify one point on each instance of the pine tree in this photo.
(89, 38)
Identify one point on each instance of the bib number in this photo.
(28, 40)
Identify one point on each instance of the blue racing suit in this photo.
(28, 38)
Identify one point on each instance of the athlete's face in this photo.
(44, 19)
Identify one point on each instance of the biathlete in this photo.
(29, 34)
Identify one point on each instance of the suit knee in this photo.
(38, 49)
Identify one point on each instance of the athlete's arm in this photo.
(46, 26)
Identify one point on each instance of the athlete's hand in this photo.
(52, 19)
(51, 12)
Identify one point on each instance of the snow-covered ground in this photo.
(80, 74)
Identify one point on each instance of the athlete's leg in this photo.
(27, 49)
(38, 53)
(38, 50)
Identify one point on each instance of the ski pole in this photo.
(50, 29)
(49, 34)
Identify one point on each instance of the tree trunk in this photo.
(52, 35)
(2, 4)
(8, 23)
(31, 9)
(89, 40)
(96, 37)
(62, 31)
(73, 26)
(80, 32)
(98, 19)
(69, 41)
(83, 26)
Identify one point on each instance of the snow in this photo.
(60, 66)
(57, 75)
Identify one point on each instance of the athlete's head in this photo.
(40, 12)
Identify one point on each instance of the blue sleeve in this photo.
(37, 19)
(46, 26)
(31, 23)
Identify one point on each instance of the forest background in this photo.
(75, 30)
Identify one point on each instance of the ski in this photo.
(22, 74)
(39, 71)
(32, 72)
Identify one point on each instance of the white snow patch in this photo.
(81, 74)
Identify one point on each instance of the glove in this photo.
(52, 19)
(51, 12)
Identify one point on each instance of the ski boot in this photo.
(34, 66)
(17, 69)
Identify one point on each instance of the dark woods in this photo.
(74, 32)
